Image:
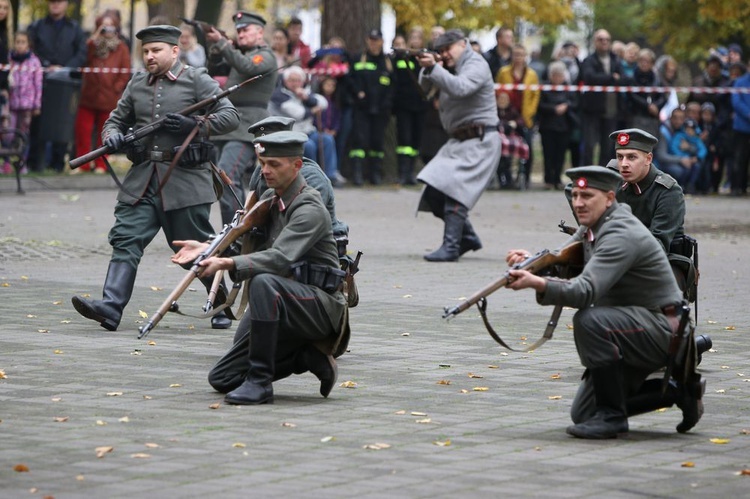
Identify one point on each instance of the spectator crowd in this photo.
(345, 101)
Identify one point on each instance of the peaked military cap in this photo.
(596, 177)
(244, 18)
(634, 138)
(281, 144)
(612, 165)
(272, 124)
(160, 33)
(448, 38)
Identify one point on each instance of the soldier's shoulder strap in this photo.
(665, 180)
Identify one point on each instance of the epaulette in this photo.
(666, 180)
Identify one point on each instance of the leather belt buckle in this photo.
(156, 155)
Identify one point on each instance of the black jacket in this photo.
(592, 73)
(549, 120)
(638, 102)
(61, 43)
(373, 75)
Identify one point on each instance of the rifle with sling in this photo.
(255, 214)
(569, 255)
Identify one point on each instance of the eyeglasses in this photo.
(602, 39)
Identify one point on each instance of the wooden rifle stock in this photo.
(571, 254)
(402, 52)
(204, 26)
(243, 222)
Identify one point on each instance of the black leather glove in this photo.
(177, 123)
(115, 141)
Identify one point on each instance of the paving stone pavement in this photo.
(71, 387)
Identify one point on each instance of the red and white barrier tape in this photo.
(621, 88)
(336, 71)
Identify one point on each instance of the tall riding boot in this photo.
(406, 170)
(323, 366)
(358, 166)
(649, 397)
(690, 401)
(469, 239)
(455, 219)
(220, 320)
(118, 287)
(610, 417)
(376, 170)
(257, 388)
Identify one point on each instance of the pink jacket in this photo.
(25, 84)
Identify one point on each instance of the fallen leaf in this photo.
(86, 295)
(143, 314)
(721, 391)
(719, 440)
(33, 490)
(140, 455)
(523, 338)
(710, 322)
(147, 397)
(136, 352)
(688, 464)
(555, 376)
(124, 419)
(152, 343)
(114, 394)
(741, 375)
(424, 421)
(537, 448)
(215, 406)
(444, 366)
(744, 432)
(348, 384)
(57, 302)
(61, 419)
(569, 326)
(663, 409)
(503, 354)
(555, 397)
(152, 445)
(155, 288)
(400, 412)
(464, 391)
(30, 316)
(21, 468)
(175, 385)
(99, 422)
(58, 352)
(239, 445)
(2, 374)
(415, 413)
(24, 278)
(65, 321)
(444, 382)
(101, 451)
(397, 286)
(472, 375)
(56, 399)
(493, 367)
(405, 334)
(80, 478)
(744, 472)
(5, 284)
(442, 443)
(480, 389)
(725, 367)
(288, 425)
(377, 446)
(327, 439)
(730, 328)
(407, 296)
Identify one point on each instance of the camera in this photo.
(107, 30)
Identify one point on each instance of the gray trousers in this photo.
(238, 161)
(302, 320)
(605, 335)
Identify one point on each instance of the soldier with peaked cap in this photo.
(296, 312)
(179, 203)
(464, 166)
(627, 298)
(251, 57)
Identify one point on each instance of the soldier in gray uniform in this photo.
(464, 165)
(311, 171)
(182, 207)
(296, 311)
(626, 298)
(251, 57)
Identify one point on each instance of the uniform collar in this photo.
(640, 187)
(590, 234)
(291, 192)
(174, 73)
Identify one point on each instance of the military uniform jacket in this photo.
(299, 230)
(251, 100)
(462, 169)
(147, 99)
(657, 201)
(624, 266)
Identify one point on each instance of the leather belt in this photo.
(159, 155)
(469, 132)
(672, 312)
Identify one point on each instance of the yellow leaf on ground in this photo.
(523, 338)
(327, 439)
(61, 419)
(730, 328)
(424, 421)
(239, 445)
(155, 288)
(175, 385)
(58, 352)
(24, 278)
(140, 455)
(65, 321)
(491, 366)
(464, 391)
(215, 406)
(376, 446)
(569, 326)
(444, 382)
(124, 419)
(5, 284)
(152, 343)
(80, 478)
(442, 443)
(143, 314)
(400, 412)
(348, 384)
(21, 468)
(56, 399)
(481, 389)
(414, 413)
(114, 394)
(136, 352)
(555, 397)
(407, 296)
(710, 322)
(405, 334)
(147, 397)
(99, 422)
(719, 440)
(288, 425)
(2, 374)
(688, 464)
(30, 316)
(472, 375)
(663, 409)
(555, 376)
(152, 445)
(721, 391)
(57, 302)
(101, 451)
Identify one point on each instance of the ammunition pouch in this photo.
(195, 154)
(328, 279)
(342, 241)
(136, 153)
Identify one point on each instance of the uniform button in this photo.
(158, 95)
(158, 106)
(156, 116)
(156, 147)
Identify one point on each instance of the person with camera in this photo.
(175, 198)
(101, 87)
(296, 312)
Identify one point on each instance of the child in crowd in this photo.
(24, 86)
(686, 142)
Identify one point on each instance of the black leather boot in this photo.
(610, 417)
(376, 171)
(321, 365)
(220, 320)
(455, 219)
(358, 167)
(406, 170)
(469, 239)
(690, 401)
(257, 388)
(649, 397)
(118, 287)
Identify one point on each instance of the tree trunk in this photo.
(208, 11)
(172, 10)
(350, 20)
